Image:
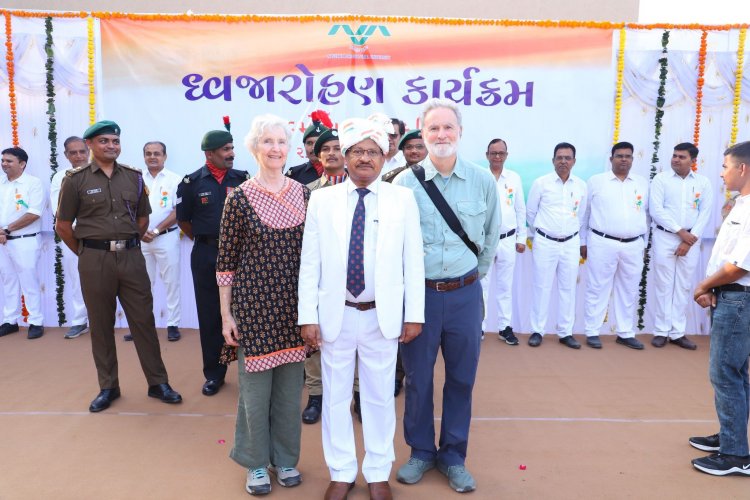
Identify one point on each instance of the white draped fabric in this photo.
(641, 82)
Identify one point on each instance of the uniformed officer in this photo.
(200, 202)
(77, 154)
(312, 169)
(414, 150)
(109, 204)
(21, 203)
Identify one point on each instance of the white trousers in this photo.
(497, 286)
(612, 264)
(361, 341)
(18, 261)
(163, 256)
(77, 309)
(673, 283)
(552, 259)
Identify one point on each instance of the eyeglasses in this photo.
(497, 154)
(359, 153)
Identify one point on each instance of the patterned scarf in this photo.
(216, 172)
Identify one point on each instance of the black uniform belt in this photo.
(450, 284)
(361, 306)
(208, 240)
(21, 236)
(732, 287)
(509, 233)
(112, 245)
(167, 231)
(559, 240)
(667, 230)
(616, 238)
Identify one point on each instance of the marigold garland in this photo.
(699, 92)
(11, 75)
(618, 86)
(92, 88)
(738, 86)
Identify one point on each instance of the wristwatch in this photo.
(156, 231)
(6, 230)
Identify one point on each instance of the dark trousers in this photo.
(452, 320)
(105, 277)
(203, 266)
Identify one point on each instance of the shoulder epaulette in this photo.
(138, 170)
(74, 171)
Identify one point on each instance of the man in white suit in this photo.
(361, 292)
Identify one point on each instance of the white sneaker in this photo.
(286, 476)
(258, 481)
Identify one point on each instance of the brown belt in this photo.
(451, 284)
(361, 306)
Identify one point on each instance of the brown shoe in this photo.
(380, 490)
(338, 490)
(659, 341)
(684, 342)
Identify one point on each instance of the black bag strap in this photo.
(442, 206)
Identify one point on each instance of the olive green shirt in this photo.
(103, 208)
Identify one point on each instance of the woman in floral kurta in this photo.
(257, 271)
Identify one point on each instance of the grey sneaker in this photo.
(76, 331)
(458, 477)
(413, 470)
(258, 481)
(286, 476)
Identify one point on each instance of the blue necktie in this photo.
(355, 269)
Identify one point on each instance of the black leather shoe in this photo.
(104, 399)
(357, 407)
(35, 332)
(629, 342)
(569, 341)
(211, 387)
(173, 333)
(594, 342)
(397, 387)
(684, 342)
(127, 338)
(311, 413)
(7, 329)
(165, 393)
(659, 341)
(535, 340)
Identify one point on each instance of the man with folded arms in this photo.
(557, 203)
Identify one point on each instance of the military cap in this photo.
(327, 136)
(320, 123)
(101, 128)
(215, 139)
(412, 134)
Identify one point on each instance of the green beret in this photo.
(215, 139)
(101, 128)
(412, 134)
(314, 129)
(328, 135)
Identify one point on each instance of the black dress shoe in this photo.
(594, 342)
(569, 341)
(535, 340)
(211, 387)
(7, 329)
(173, 334)
(631, 342)
(35, 332)
(127, 337)
(311, 413)
(684, 342)
(659, 341)
(104, 399)
(165, 393)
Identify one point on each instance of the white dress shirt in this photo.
(733, 242)
(512, 204)
(162, 194)
(54, 189)
(556, 207)
(370, 237)
(676, 203)
(618, 208)
(25, 195)
(398, 160)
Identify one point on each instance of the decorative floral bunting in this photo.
(11, 76)
(699, 92)
(618, 87)
(92, 88)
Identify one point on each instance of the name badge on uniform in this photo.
(94, 191)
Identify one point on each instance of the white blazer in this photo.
(399, 261)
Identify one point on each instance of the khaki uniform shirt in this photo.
(104, 208)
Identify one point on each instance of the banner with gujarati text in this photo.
(531, 86)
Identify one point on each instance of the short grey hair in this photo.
(436, 103)
(262, 124)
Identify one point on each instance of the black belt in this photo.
(616, 238)
(20, 236)
(208, 240)
(361, 306)
(509, 233)
(667, 230)
(448, 285)
(559, 240)
(112, 245)
(167, 231)
(732, 287)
